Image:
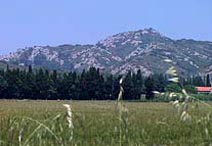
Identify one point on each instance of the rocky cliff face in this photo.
(143, 49)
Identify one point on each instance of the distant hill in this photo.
(143, 49)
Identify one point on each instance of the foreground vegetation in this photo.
(96, 123)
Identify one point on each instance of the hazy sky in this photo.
(55, 22)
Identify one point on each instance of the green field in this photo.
(96, 123)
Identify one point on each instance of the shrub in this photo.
(173, 87)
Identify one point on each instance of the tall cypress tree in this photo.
(150, 87)
(128, 86)
(108, 87)
(208, 81)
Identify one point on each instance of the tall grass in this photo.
(184, 101)
(96, 123)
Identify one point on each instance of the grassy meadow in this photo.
(96, 123)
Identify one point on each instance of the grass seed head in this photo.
(174, 79)
(171, 71)
(69, 116)
(120, 81)
(156, 92)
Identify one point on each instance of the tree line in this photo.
(87, 85)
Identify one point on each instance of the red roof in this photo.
(204, 89)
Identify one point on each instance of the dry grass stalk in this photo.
(123, 115)
(182, 103)
(20, 137)
(69, 119)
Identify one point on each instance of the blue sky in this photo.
(55, 22)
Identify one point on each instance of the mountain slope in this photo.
(143, 49)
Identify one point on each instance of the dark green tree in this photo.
(150, 87)
(208, 81)
(173, 87)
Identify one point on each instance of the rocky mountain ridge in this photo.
(143, 49)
